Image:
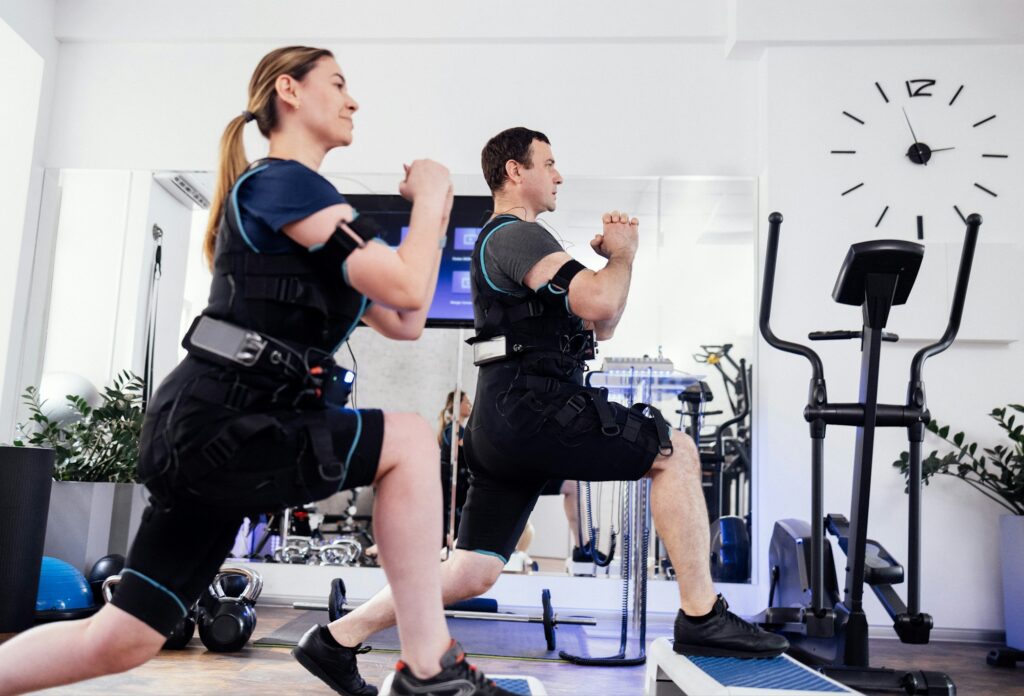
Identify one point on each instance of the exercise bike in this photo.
(824, 628)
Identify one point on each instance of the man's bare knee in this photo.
(684, 456)
(476, 573)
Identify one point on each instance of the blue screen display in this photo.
(453, 304)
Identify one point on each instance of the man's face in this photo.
(540, 182)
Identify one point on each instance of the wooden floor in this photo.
(273, 672)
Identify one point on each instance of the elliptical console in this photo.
(824, 628)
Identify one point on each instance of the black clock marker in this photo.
(962, 218)
(989, 192)
(844, 152)
(882, 92)
(984, 120)
(920, 227)
(854, 188)
(999, 156)
(882, 216)
(847, 113)
(956, 95)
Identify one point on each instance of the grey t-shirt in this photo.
(512, 250)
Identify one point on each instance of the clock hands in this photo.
(943, 149)
(921, 158)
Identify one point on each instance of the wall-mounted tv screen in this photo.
(453, 304)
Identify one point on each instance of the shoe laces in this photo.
(477, 677)
(736, 621)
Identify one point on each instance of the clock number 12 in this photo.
(916, 88)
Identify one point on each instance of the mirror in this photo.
(691, 309)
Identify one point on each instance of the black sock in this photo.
(700, 619)
(328, 638)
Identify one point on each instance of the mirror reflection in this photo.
(685, 344)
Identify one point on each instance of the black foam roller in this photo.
(25, 478)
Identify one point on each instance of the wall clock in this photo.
(926, 150)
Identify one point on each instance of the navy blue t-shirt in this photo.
(276, 193)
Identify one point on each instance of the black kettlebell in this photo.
(183, 630)
(101, 570)
(226, 623)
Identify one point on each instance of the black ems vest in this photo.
(537, 323)
(293, 297)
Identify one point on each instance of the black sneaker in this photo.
(588, 555)
(456, 678)
(332, 663)
(724, 634)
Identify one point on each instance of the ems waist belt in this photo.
(313, 371)
(492, 349)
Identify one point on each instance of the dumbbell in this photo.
(183, 630)
(226, 623)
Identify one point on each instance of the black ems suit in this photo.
(230, 434)
(533, 419)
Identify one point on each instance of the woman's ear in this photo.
(285, 86)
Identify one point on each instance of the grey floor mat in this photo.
(482, 638)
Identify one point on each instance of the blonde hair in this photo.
(446, 415)
(294, 61)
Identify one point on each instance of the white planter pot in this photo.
(1011, 529)
(87, 521)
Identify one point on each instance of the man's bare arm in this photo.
(600, 296)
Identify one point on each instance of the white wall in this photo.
(807, 89)
(33, 23)
(658, 90)
(18, 114)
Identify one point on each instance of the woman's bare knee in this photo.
(115, 641)
(407, 438)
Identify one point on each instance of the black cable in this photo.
(355, 368)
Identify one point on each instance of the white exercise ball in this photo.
(54, 389)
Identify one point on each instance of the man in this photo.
(536, 312)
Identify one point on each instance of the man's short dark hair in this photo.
(512, 144)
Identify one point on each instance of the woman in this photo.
(444, 439)
(252, 418)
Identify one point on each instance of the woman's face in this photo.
(467, 406)
(324, 105)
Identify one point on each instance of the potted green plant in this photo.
(997, 472)
(95, 504)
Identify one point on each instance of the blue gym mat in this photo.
(512, 639)
(774, 673)
(516, 686)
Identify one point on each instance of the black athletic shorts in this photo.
(514, 451)
(199, 499)
(552, 487)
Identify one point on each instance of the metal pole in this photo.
(454, 458)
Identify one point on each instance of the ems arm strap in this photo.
(566, 273)
(332, 253)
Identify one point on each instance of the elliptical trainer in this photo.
(821, 626)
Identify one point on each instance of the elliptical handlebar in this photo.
(959, 294)
(774, 223)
